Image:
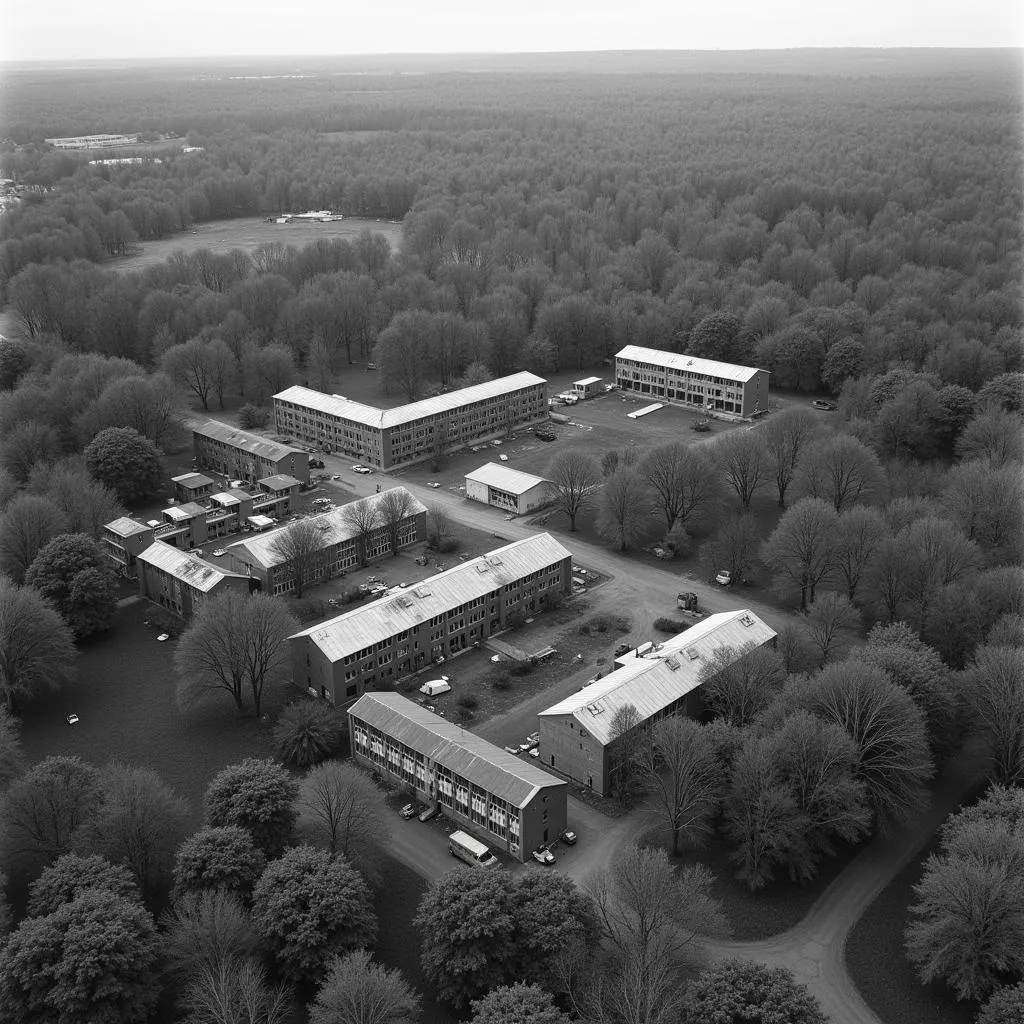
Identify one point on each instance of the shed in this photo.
(589, 387)
(509, 489)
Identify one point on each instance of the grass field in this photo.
(246, 233)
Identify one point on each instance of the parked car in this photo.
(335, 476)
(409, 811)
(430, 812)
(533, 740)
(164, 636)
(218, 553)
(434, 484)
(823, 405)
(724, 578)
(542, 855)
(71, 719)
(511, 750)
(622, 649)
(364, 470)
(568, 837)
(535, 752)
(503, 457)
(544, 435)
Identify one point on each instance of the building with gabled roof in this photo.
(341, 546)
(240, 455)
(182, 582)
(124, 540)
(375, 645)
(505, 799)
(706, 385)
(411, 433)
(578, 734)
(510, 489)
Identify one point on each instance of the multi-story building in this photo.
(511, 804)
(374, 646)
(342, 548)
(93, 141)
(240, 455)
(580, 737)
(411, 433)
(181, 582)
(725, 389)
(510, 489)
(191, 524)
(192, 487)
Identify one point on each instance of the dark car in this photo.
(430, 812)
(409, 811)
(544, 435)
(623, 649)
(826, 406)
(568, 837)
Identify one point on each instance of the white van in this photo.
(436, 686)
(470, 850)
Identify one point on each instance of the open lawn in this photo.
(878, 964)
(221, 236)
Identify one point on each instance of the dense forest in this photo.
(828, 231)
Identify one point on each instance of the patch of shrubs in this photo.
(501, 683)
(467, 700)
(309, 609)
(605, 624)
(670, 625)
(523, 668)
(442, 545)
(251, 416)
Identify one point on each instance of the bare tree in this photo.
(623, 507)
(396, 505)
(236, 990)
(652, 919)
(359, 991)
(576, 478)
(786, 434)
(235, 642)
(194, 365)
(862, 532)
(684, 481)
(802, 548)
(625, 747)
(737, 684)
(743, 458)
(934, 554)
(733, 548)
(840, 470)
(301, 546)
(362, 517)
(440, 524)
(828, 617)
(339, 809)
(28, 523)
(683, 777)
(995, 683)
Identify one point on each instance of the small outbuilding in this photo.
(589, 387)
(509, 489)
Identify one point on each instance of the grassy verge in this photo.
(878, 964)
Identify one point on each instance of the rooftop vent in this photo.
(747, 620)
(480, 567)
(493, 560)
(595, 709)
(672, 664)
(421, 592)
(692, 653)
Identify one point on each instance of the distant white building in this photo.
(92, 141)
(725, 389)
(506, 488)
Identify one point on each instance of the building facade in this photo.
(579, 736)
(507, 802)
(123, 541)
(342, 549)
(374, 646)
(411, 433)
(722, 389)
(589, 387)
(240, 455)
(181, 582)
(509, 489)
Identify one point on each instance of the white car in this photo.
(724, 578)
(434, 484)
(542, 855)
(218, 553)
(503, 457)
(358, 466)
(71, 719)
(164, 636)
(365, 470)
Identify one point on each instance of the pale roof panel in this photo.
(252, 443)
(198, 574)
(681, 361)
(515, 481)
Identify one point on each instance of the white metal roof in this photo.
(655, 680)
(491, 768)
(192, 480)
(334, 530)
(586, 380)
(279, 481)
(252, 443)
(352, 631)
(371, 416)
(493, 474)
(188, 568)
(681, 361)
(126, 527)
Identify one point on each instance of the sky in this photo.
(71, 30)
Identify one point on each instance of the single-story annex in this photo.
(510, 489)
(510, 803)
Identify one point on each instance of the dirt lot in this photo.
(248, 232)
